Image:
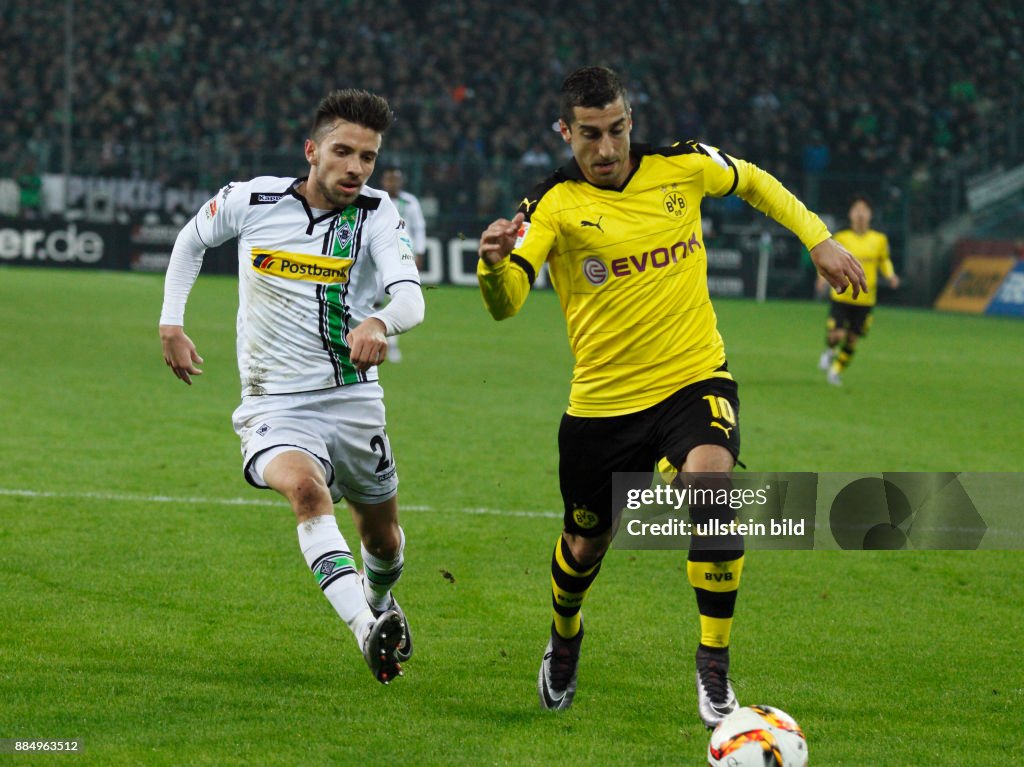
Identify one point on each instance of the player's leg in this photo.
(284, 450)
(858, 322)
(575, 564)
(382, 546)
(354, 428)
(302, 479)
(834, 333)
(590, 450)
(702, 438)
(713, 569)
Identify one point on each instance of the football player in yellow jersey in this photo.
(849, 318)
(619, 227)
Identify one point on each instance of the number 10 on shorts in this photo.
(721, 408)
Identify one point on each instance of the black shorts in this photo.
(590, 450)
(855, 319)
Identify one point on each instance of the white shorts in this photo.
(342, 427)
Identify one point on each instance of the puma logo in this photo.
(726, 430)
(596, 225)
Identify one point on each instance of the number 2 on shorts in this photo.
(378, 444)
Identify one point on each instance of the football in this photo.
(757, 736)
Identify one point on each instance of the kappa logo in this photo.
(595, 224)
(384, 476)
(585, 518)
(264, 198)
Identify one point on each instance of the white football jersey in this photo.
(306, 277)
(412, 213)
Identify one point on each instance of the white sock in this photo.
(380, 575)
(332, 563)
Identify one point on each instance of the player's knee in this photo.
(308, 493)
(588, 551)
(709, 459)
(383, 543)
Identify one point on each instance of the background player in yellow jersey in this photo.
(849, 316)
(619, 227)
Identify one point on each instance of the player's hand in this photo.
(499, 238)
(368, 344)
(894, 282)
(180, 353)
(840, 269)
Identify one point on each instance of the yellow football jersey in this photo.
(630, 270)
(872, 250)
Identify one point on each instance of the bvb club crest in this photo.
(584, 517)
(674, 203)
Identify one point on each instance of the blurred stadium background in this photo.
(148, 108)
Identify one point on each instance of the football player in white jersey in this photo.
(310, 253)
(392, 179)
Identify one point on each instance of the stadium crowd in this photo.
(865, 85)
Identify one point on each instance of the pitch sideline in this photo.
(201, 501)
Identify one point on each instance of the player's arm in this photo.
(203, 230)
(180, 353)
(511, 253)
(391, 250)
(833, 262)
(725, 175)
(417, 230)
(885, 265)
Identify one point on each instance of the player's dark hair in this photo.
(860, 198)
(354, 106)
(592, 87)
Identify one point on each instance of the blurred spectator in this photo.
(189, 86)
(535, 158)
(30, 185)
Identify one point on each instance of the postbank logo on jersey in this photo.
(301, 266)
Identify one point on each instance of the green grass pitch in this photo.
(164, 624)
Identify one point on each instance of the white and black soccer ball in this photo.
(757, 736)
